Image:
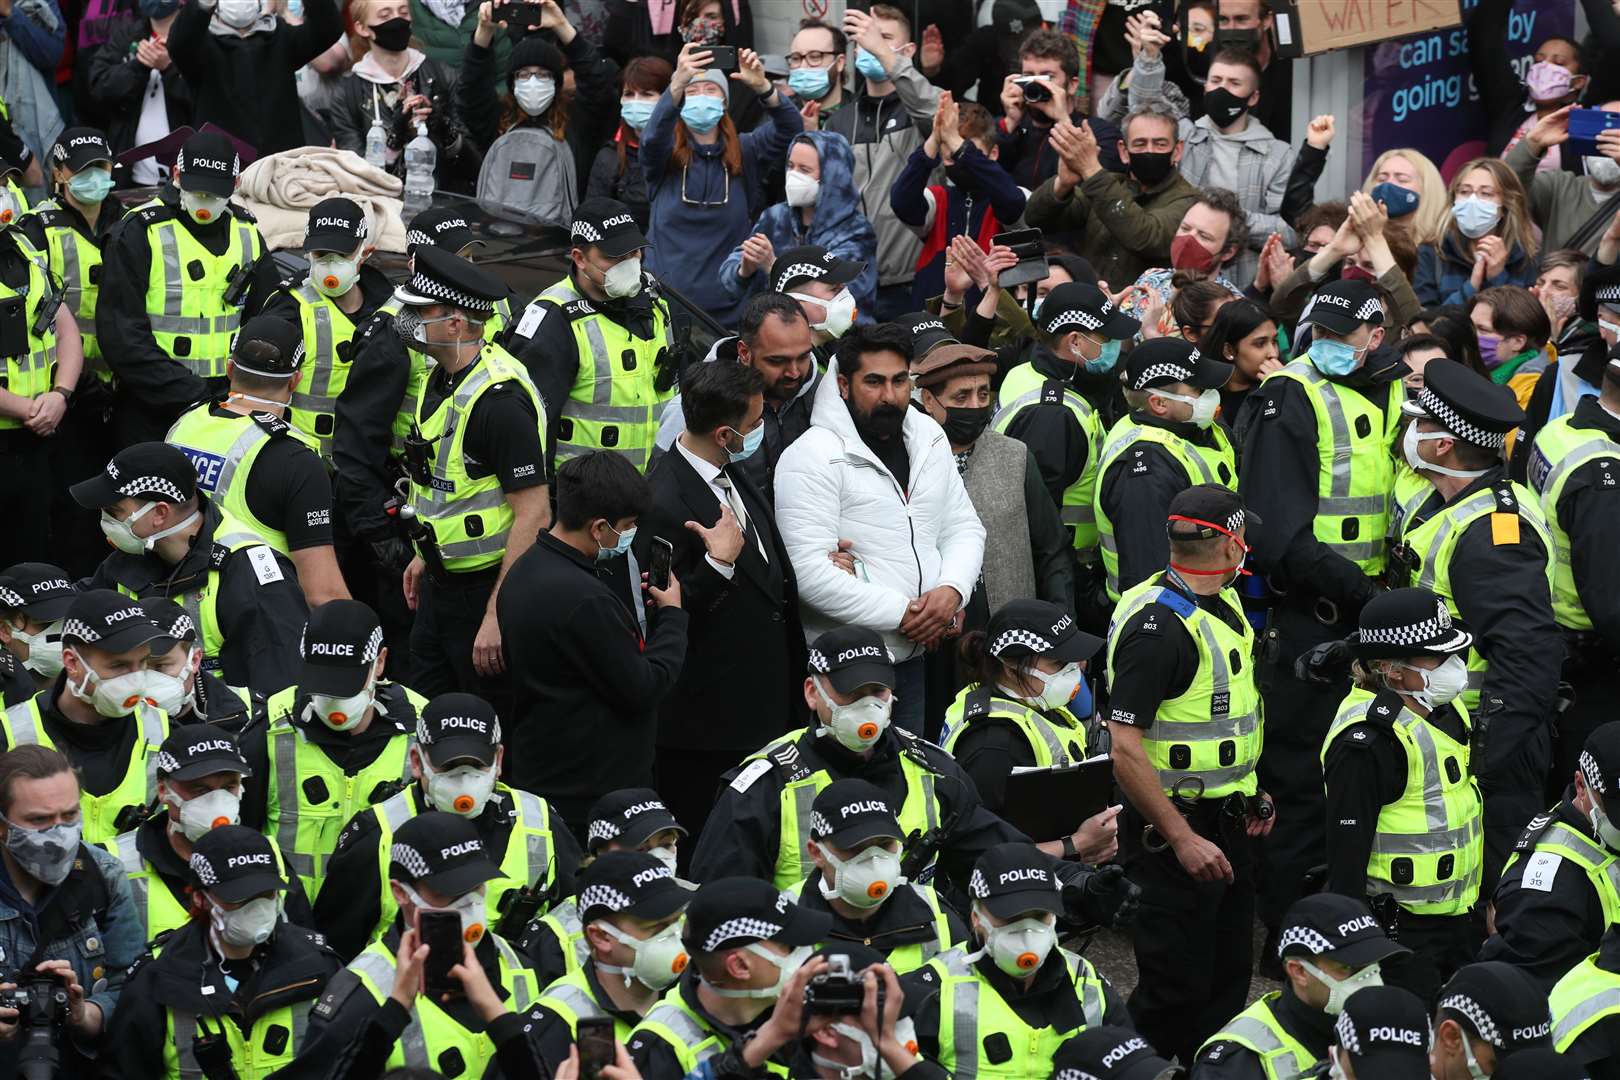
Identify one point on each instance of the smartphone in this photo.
(663, 553)
(593, 1035)
(521, 14)
(723, 58)
(1586, 124)
(1030, 247)
(441, 933)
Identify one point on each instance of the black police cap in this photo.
(1167, 360)
(150, 470)
(628, 817)
(284, 337)
(608, 225)
(852, 657)
(1408, 622)
(234, 863)
(39, 590)
(1023, 628)
(1467, 404)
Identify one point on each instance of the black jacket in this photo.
(118, 83)
(740, 683)
(363, 443)
(260, 606)
(349, 114)
(585, 679)
(627, 185)
(1051, 431)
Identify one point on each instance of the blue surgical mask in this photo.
(809, 82)
(635, 114)
(91, 186)
(870, 66)
(626, 538)
(1105, 362)
(1397, 200)
(1474, 216)
(1334, 357)
(157, 9)
(751, 442)
(701, 114)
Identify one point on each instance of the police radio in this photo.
(13, 326)
(47, 311)
(236, 285)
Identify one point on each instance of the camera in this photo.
(838, 991)
(42, 1007)
(1035, 87)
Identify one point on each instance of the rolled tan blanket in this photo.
(281, 189)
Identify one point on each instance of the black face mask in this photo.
(1224, 107)
(964, 426)
(1151, 169)
(393, 35)
(883, 424)
(1247, 39)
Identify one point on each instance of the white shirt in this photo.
(152, 126)
(707, 471)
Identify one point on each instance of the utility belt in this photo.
(1587, 654)
(18, 440)
(1219, 819)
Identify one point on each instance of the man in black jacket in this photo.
(739, 587)
(586, 677)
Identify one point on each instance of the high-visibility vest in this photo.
(75, 260)
(1201, 464)
(570, 998)
(1434, 541)
(1055, 737)
(470, 516)
(1025, 387)
(432, 1032)
(1428, 851)
(34, 371)
(1355, 472)
(688, 1035)
(1559, 450)
(563, 926)
(914, 954)
(223, 450)
(24, 724)
(527, 859)
(920, 811)
(306, 827)
(1258, 1030)
(270, 1044)
(156, 906)
(328, 359)
(1600, 865)
(970, 1007)
(615, 402)
(185, 292)
(1585, 996)
(1213, 729)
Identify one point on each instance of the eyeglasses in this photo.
(724, 198)
(815, 58)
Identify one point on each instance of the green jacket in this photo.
(1132, 228)
(446, 44)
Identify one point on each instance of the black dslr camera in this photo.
(838, 991)
(42, 1008)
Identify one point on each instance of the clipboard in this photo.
(1048, 804)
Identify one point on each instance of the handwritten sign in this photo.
(1305, 27)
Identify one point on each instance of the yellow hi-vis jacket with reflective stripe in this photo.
(185, 291)
(223, 450)
(1584, 997)
(1559, 450)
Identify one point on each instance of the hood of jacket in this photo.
(1255, 132)
(372, 72)
(838, 219)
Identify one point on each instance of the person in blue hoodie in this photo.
(822, 208)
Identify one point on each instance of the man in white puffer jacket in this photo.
(877, 473)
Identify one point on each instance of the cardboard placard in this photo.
(1305, 27)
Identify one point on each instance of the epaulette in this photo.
(579, 309)
(242, 213)
(1176, 602)
(1052, 392)
(271, 425)
(1532, 832)
(217, 555)
(1384, 708)
(915, 748)
(1505, 518)
(151, 215)
(977, 703)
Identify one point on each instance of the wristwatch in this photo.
(1069, 850)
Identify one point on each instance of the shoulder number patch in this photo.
(265, 567)
(533, 316)
(1540, 870)
(751, 772)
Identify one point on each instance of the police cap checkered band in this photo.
(1345, 1028)
(1368, 309)
(182, 627)
(584, 230)
(417, 236)
(1593, 774)
(801, 271)
(411, 859)
(11, 599)
(1476, 1015)
(818, 662)
(1073, 317)
(819, 825)
(1306, 936)
(602, 896)
(977, 886)
(601, 830)
(373, 646)
(166, 762)
(1419, 633)
(80, 630)
(1453, 422)
(431, 288)
(1174, 372)
(1204, 529)
(204, 870)
(152, 485)
(1608, 294)
(1031, 641)
(745, 927)
(1074, 1074)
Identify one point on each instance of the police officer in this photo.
(81, 928)
(1574, 469)
(1111, 1053)
(228, 992)
(34, 599)
(453, 764)
(761, 821)
(1382, 1033)
(1405, 818)
(179, 684)
(1317, 466)
(201, 781)
(631, 905)
(258, 467)
(1561, 886)
(1331, 946)
(337, 741)
(479, 483)
(1062, 400)
(1479, 541)
(1487, 1014)
(599, 341)
(174, 541)
(181, 271)
(1586, 1010)
(1185, 722)
(855, 846)
(96, 712)
(741, 997)
(338, 294)
(436, 862)
(819, 281)
(1168, 442)
(1005, 1010)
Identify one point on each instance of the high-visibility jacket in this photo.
(470, 516)
(1257, 1029)
(563, 926)
(615, 402)
(970, 1006)
(1055, 737)
(156, 906)
(691, 1037)
(1600, 865)
(1202, 465)
(33, 372)
(23, 724)
(1025, 387)
(572, 999)
(1213, 729)
(1428, 851)
(75, 260)
(186, 304)
(328, 358)
(1355, 472)
(223, 450)
(1585, 996)
(1559, 450)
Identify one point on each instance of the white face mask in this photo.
(201, 815)
(1474, 1070)
(1059, 688)
(659, 960)
(1204, 406)
(1339, 990)
(1605, 172)
(1020, 947)
(623, 278)
(44, 650)
(859, 725)
(470, 908)
(1442, 684)
(1409, 447)
(9, 210)
(463, 790)
(865, 880)
(114, 697)
(802, 190)
(238, 14)
(785, 967)
(121, 534)
(1603, 828)
(173, 693)
(665, 855)
(872, 1066)
(249, 925)
(333, 275)
(534, 94)
(840, 312)
(204, 209)
(342, 714)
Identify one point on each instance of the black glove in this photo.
(393, 554)
(1328, 662)
(1109, 897)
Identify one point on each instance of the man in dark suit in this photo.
(745, 648)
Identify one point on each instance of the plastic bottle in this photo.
(421, 159)
(377, 145)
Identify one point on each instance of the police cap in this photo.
(1167, 360)
(729, 913)
(1385, 1032)
(442, 851)
(336, 224)
(339, 647)
(812, 262)
(1501, 1003)
(630, 883)
(1340, 306)
(852, 657)
(78, 148)
(233, 864)
(285, 338)
(1022, 628)
(446, 227)
(1108, 1053)
(1074, 305)
(1338, 927)
(174, 619)
(458, 727)
(209, 163)
(1467, 404)
(1011, 879)
(439, 276)
(1408, 622)
(1600, 759)
(150, 470)
(628, 817)
(850, 812)
(1204, 511)
(39, 590)
(608, 225)
(112, 622)
(1538, 1063)
(196, 750)
(927, 331)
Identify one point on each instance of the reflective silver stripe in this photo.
(1339, 471)
(685, 1028)
(1362, 549)
(1563, 835)
(522, 992)
(1240, 727)
(1060, 755)
(24, 727)
(1007, 410)
(1425, 894)
(532, 814)
(173, 288)
(315, 395)
(135, 870)
(303, 863)
(1351, 505)
(572, 998)
(602, 384)
(930, 807)
(804, 798)
(1582, 453)
(1584, 1013)
(185, 1031)
(195, 325)
(484, 500)
(1254, 1032)
(606, 414)
(566, 450)
(965, 1029)
(1450, 517)
(1434, 796)
(1476, 679)
(1211, 777)
(379, 968)
(483, 545)
(300, 1019)
(396, 810)
(1072, 514)
(251, 436)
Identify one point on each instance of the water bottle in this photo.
(377, 145)
(421, 158)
